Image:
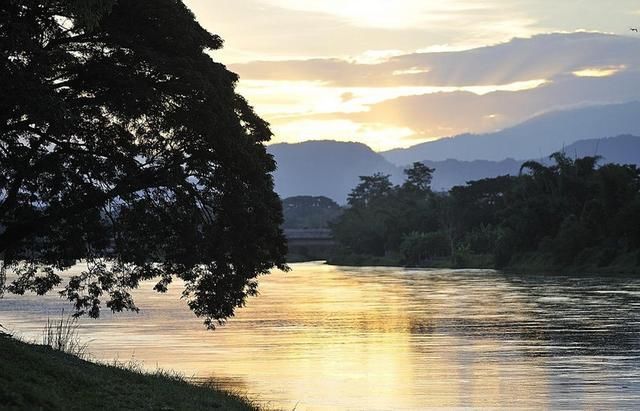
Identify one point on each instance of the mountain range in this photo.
(332, 169)
(546, 133)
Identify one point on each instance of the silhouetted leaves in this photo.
(124, 144)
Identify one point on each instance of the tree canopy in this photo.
(380, 214)
(309, 212)
(569, 213)
(124, 144)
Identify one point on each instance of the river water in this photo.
(324, 337)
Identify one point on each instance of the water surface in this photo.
(324, 337)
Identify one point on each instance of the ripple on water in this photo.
(329, 337)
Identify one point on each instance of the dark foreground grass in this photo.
(36, 377)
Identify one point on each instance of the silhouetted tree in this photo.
(124, 144)
(570, 213)
(381, 215)
(371, 188)
(419, 177)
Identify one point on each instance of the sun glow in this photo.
(312, 110)
(412, 70)
(377, 136)
(276, 99)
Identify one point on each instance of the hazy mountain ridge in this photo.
(449, 173)
(326, 168)
(623, 149)
(331, 169)
(534, 138)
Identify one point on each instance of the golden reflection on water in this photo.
(326, 337)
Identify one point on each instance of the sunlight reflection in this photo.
(327, 338)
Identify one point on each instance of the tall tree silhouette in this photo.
(124, 144)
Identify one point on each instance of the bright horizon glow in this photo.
(398, 47)
(379, 137)
(283, 98)
(283, 101)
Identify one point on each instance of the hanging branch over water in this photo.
(124, 144)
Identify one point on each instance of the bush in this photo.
(417, 248)
(570, 241)
(482, 239)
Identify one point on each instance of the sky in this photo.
(394, 73)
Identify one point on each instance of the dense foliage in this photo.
(570, 213)
(124, 144)
(379, 214)
(309, 212)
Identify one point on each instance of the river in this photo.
(324, 337)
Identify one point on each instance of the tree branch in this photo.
(15, 232)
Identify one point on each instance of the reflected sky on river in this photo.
(328, 337)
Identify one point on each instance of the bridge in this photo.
(309, 236)
(309, 243)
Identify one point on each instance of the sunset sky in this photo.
(397, 73)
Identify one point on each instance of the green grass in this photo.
(37, 377)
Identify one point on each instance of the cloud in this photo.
(379, 69)
(265, 30)
(448, 114)
(347, 96)
(302, 29)
(287, 99)
(385, 14)
(438, 94)
(377, 136)
(604, 71)
(539, 57)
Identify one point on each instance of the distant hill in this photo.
(534, 138)
(331, 169)
(326, 168)
(624, 149)
(450, 173)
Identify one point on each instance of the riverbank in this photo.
(586, 263)
(475, 261)
(531, 263)
(38, 377)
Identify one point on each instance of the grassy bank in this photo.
(36, 377)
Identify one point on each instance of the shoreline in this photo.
(36, 376)
(525, 267)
